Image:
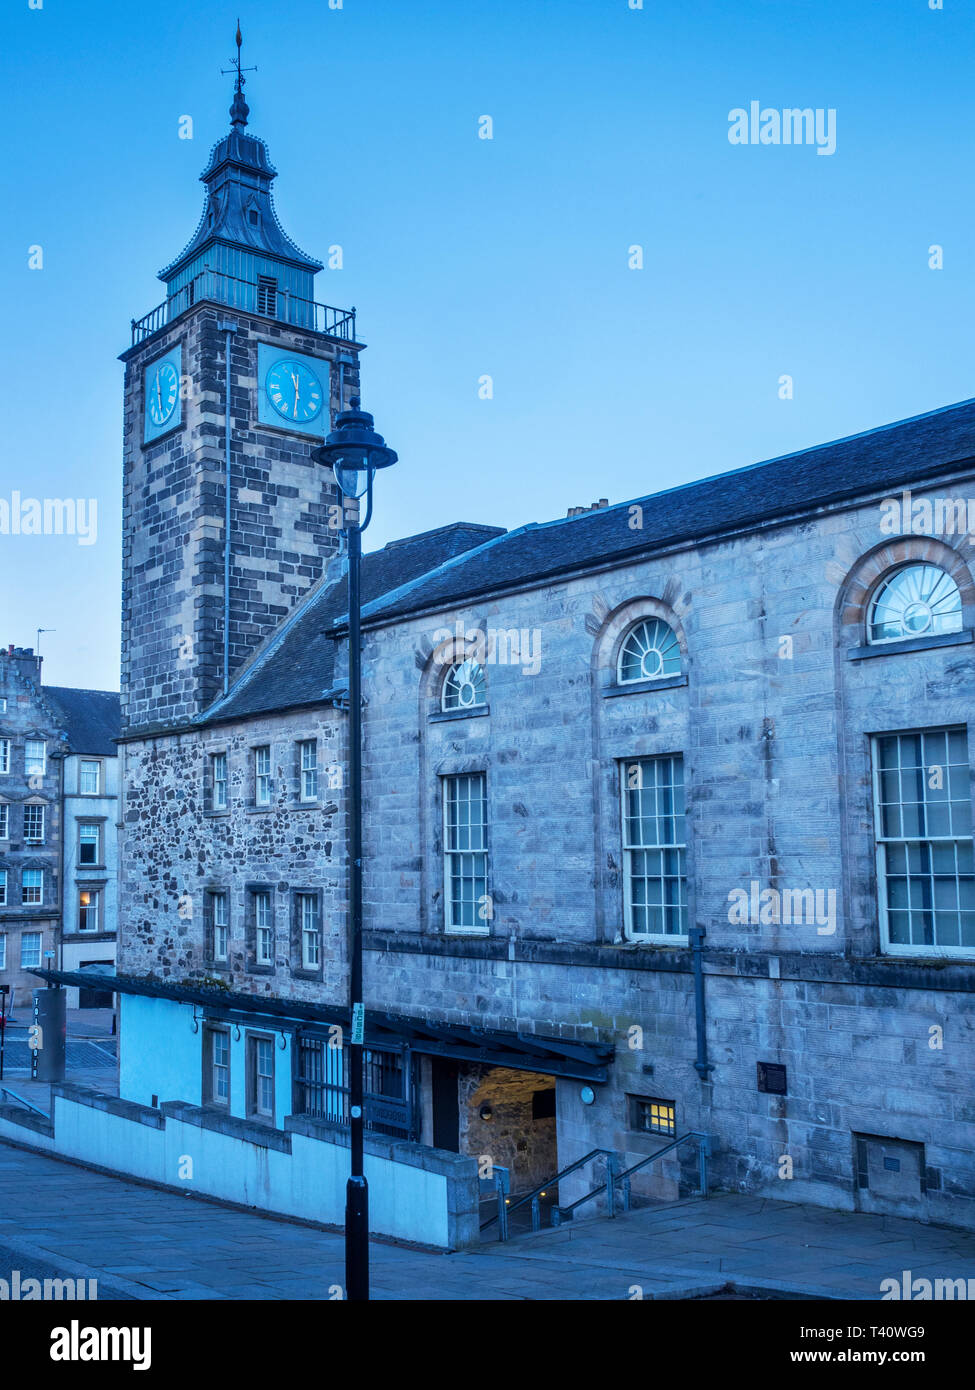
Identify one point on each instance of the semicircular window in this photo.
(651, 652)
(916, 601)
(463, 686)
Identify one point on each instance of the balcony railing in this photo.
(268, 301)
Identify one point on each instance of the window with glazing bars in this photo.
(466, 852)
(654, 848)
(34, 824)
(309, 769)
(925, 869)
(263, 929)
(218, 767)
(262, 776)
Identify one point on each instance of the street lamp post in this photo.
(355, 452)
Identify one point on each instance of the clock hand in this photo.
(158, 395)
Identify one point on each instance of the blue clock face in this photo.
(294, 390)
(162, 388)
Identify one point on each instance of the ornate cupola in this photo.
(240, 254)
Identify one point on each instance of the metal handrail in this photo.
(551, 1182)
(223, 288)
(6, 1091)
(703, 1149)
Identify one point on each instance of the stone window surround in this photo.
(476, 767)
(101, 777)
(312, 801)
(210, 890)
(254, 805)
(209, 1029)
(298, 970)
(210, 753)
(96, 886)
(251, 1038)
(616, 627)
(98, 822)
(253, 966)
(870, 571)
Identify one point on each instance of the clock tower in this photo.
(231, 384)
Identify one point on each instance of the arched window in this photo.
(649, 652)
(463, 686)
(915, 601)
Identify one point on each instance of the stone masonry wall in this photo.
(176, 848)
(173, 516)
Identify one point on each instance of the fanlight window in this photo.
(916, 601)
(463, 687)
(650, 652)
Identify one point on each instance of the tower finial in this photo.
(239, 110)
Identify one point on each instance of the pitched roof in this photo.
(297, 665)
(92, 718)
(878, 460)
(457, 563)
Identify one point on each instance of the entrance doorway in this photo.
(446, 1104)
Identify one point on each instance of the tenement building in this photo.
(668, 804)
(58, 831)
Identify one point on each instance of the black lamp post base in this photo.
(357, 1240)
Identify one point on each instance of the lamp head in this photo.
(354, 451)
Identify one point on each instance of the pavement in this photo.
(142, 1243)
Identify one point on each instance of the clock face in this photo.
(294, 390)
(162, 387)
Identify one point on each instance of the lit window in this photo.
(654, 848)
(651, 652)
(34, 824)
(309, 770)
(463, 686)
(466, 861)
(32, 887)
(263, 929)
(262, 1077)
(924, 841)
(218, 767)
(30, 950)
(653, 1116)
(89, 837)
(3, 887)
(88, 909)
(308, 926)
(89, 778)
(35, 757)
(262, 776)
(4, 755)
(219, 910)
(916, 601)
(4, 821)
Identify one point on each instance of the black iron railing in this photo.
(248, 298)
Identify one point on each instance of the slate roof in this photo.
(239, 177)
(879, 460)
(297, 665)
(440, 569)
(92, 718)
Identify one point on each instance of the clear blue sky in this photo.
(507, 257)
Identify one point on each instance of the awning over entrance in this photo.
(586, 1061)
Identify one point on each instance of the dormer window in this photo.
(267, 296)
(253, 217)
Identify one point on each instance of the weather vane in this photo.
(235, 64)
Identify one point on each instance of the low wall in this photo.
(416, 1193)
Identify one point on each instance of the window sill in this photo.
(302, 974)
(259, 810)
(466, 931)
(254, 969)
(216, 815)
(443, 716)
(912, 644)
(643, 687)
(220, 965)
